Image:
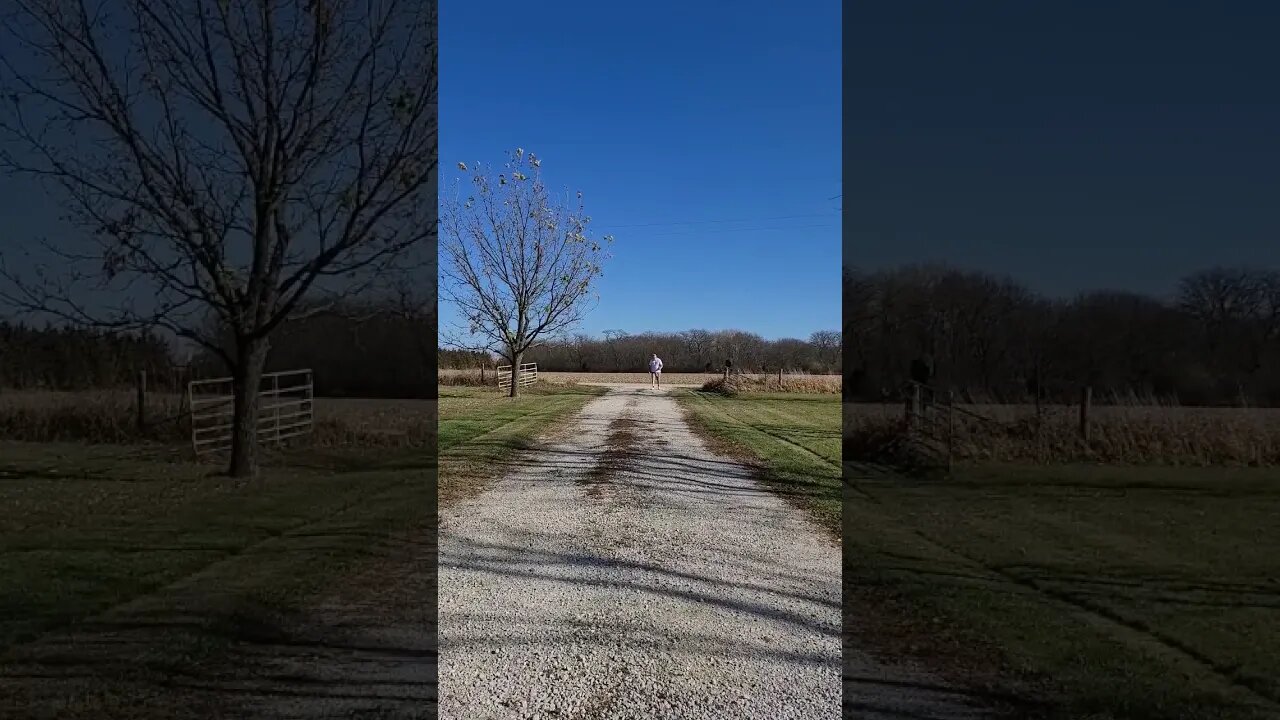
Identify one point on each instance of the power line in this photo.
(738, 230)
(710, 222)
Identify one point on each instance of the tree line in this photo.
(70, 358)
(377, 351)
(380, 353)
(1214, 341)
(690, 351)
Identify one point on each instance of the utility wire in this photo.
(735, 230)
(711, 222)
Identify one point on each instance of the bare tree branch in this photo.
(517, 264)
(251, 159)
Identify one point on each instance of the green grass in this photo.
(88, 528)
(480, 428)
(1113, 592)
(794, 439)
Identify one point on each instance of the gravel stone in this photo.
(668, 584)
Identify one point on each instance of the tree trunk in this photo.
(515, 374)
(251, 356)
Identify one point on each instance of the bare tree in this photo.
(698, 343)
(827, 343)
(252, 160)
(517, 262)
(614, 339)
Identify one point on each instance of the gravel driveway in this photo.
(625, 571)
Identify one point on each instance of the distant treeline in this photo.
(463, 359)
(57, 358)
(1215, 341)
(353, 353)
(691, 351)
(360, 354)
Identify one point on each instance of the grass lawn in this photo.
(1110, 592)
(480, 428)
(86, 528)
(793, 438)
(126, 570)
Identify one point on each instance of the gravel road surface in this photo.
(626, 571)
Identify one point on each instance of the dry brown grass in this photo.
(830, 383)
(1130, 435)
(109, 417)
(100, 416)
(467, 378)
(803, 384)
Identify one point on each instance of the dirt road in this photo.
(625, 571)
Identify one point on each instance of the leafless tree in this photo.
(252, 160)
(828, 345)
(699, 344)
(614, 340)
(516, 261)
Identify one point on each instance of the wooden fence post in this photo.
(779, 376)
(1086, 400)
(913, 405)
(482, 380)
(142, 400)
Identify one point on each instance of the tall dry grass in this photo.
(470, 377)
(1119, 434)
(110, 417)
(100, 416)
(804, 384)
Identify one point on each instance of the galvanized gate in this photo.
(285, 410)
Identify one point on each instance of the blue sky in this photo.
(1073, 146)
(706, 137)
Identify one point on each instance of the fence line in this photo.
(931, 419)
(286, 413)
(527, 375)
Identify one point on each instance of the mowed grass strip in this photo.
(792, 439)
(481, 428)
(85, 529)
(1108, 592)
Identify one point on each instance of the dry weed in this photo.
(1154, 435)
(804, 384)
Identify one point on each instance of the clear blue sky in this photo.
(1073, 145)
(670, 117)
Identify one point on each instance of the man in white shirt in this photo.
(655, 371)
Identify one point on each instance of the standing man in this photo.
(655, 371)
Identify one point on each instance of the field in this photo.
(1121, 434)
(793, 439)
(109, 417)
(1129, 576)
(672, 379)
(1107, 592)
(182, 562)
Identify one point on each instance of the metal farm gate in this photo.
(527, 375)
(285, 410)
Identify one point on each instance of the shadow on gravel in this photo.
(608, 634)
(677, 472)
(516, 561)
